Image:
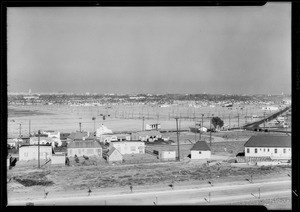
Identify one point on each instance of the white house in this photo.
(86, 148)
(200, 150)
(275, 147)
(107, 138)
(30, 152)
(113, 155)
(129, 147)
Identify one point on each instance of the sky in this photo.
(217, 50)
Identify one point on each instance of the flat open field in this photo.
(76, 180)
(120, 117)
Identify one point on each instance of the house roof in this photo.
(269, 141)
(111, 150)
(201, 145)
(80, 135)
(84, 144)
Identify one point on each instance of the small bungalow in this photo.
(200, 150)
(275, 147)
(87, 148)
(107, 138)
(30, 152)
(129, 147)
(113, 155)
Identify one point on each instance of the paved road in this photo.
(197, 196)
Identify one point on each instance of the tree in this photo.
(216, 121)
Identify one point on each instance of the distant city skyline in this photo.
(131, 50)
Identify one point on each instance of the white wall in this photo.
(58, 159)
(129, 147)
(168, 155)
(31, 153)
(85, 151)
(268, 152)
(196, 154)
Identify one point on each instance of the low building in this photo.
(58, 159)
(80, 136)
(32, 152)
(107, 138)
(87, 148)
(275, 147)
(146, 135)
(200, 150)
(167, 155)
(152, 127)
(42, 140)
(129, 147)
(113, 155)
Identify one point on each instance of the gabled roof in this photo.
(269, 141)
(111, 150)
(84, 144)
(201, 145)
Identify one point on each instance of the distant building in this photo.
(81, 136)
(146, 136)
(200, 150)
(30, 152)
(275, 147)
(129, 147)
(271, 108)
(87, 148)
(107, 138)
(53, 134)
(103, 130)
(152, 127)
(43, 140)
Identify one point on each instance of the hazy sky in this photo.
(150, 49)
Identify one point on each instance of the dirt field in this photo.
(55, 179)
(121, 117)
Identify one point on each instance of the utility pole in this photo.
(143, 123)
(201, 127)
(229, 120)
(177, 138)
(39, 132)
(210, 131)
(264, 120)
(20, 131)
(94, 119)
(79, 126)
(29, 129)
(195, 132)
(238, 120)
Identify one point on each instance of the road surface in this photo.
(213, 195)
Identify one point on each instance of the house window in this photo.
(268, 150)
(199, 152)
(275, 150)
(255, 150)
(264, 150)
(259, 149)
(284, 151)
(248, 150)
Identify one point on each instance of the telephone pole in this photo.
(79, 126)
(20, 131)
(210, 131)
(29, 129)
(143, 123)
(39, 148)
(178, 138)
(201, 127)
